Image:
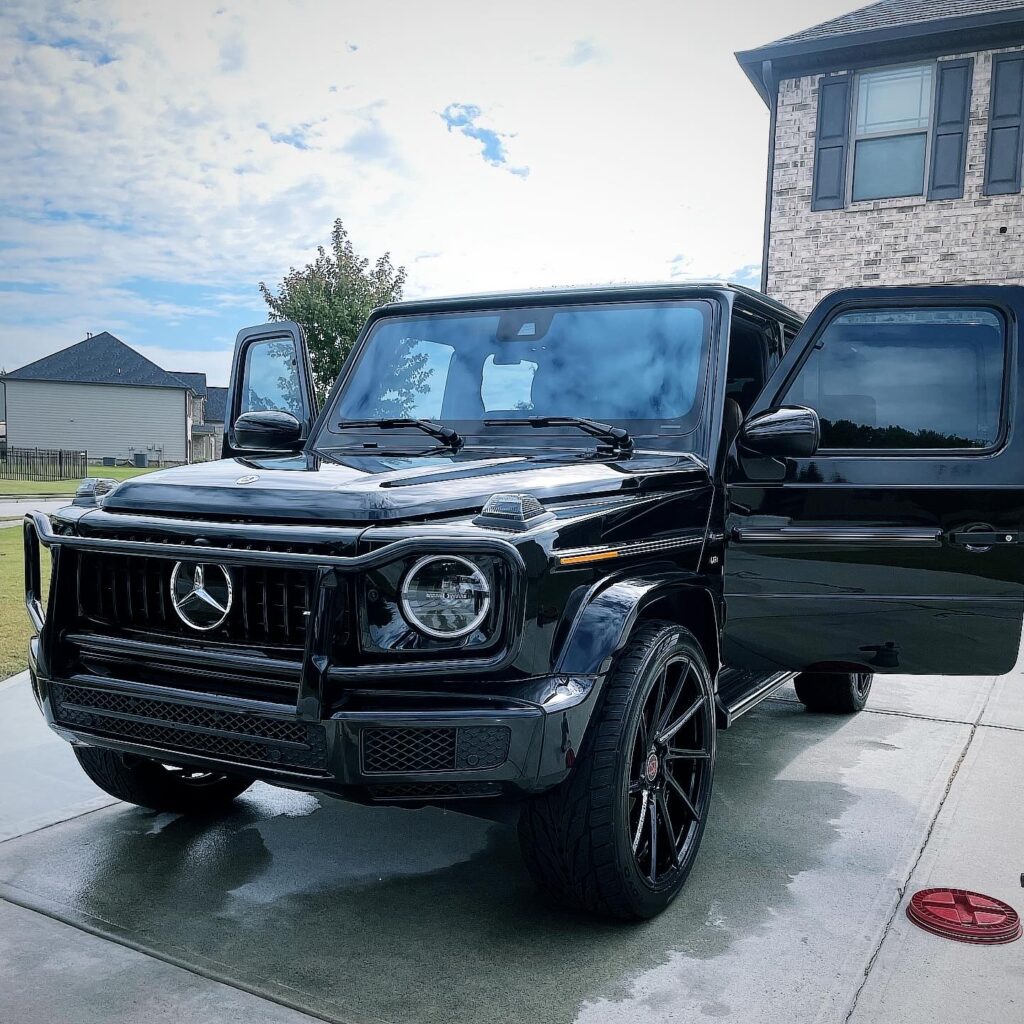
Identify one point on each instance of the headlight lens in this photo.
(445, 596)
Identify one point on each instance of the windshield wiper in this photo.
(616, 437)
(446, 435)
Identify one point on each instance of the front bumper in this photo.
(386, 746)
(415, 732)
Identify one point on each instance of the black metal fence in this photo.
(42, 464)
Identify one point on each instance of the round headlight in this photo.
(445, 596)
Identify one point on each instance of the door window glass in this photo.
(906, 379)
(271, 379)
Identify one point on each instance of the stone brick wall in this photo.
(889, 241)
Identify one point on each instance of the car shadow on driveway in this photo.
(365, 913)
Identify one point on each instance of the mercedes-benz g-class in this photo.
(533, 551)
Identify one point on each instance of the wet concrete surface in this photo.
(369, 914)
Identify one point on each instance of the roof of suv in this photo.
(590, 293)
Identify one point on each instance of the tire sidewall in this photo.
(650, 900)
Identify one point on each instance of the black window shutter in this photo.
(1005, 121)
(952, 121)
(831, 144)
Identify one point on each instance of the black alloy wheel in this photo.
(619, 836)
(670, 770)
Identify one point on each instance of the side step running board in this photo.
(734, 705)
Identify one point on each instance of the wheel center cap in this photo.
(651, 767)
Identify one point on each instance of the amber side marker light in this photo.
(599, 556)
(964, 916)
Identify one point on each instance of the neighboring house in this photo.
(103, 397)
(216, 404)
(204, 443)
(896, 146)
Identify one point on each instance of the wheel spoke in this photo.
(669, 732)
(666, 713)
(654, 845)
(635, 787)
(683, 795)
(644, 800)
(680, 754)
(656, 708)
(672, 841)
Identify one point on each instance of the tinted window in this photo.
(271, 380)
(906, 379)
(622, 362)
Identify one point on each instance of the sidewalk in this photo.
(822, 827)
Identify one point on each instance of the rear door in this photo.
(270, 371)
(897, 546)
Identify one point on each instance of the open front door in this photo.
(270, 372)
(898, 545)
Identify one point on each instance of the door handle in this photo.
(976, 539)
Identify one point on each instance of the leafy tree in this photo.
(331, 298)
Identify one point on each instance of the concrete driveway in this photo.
(297, 905)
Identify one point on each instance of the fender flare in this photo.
(604, 622)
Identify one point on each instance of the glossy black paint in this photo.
(743, 549)
(790, 432)
(857, 559)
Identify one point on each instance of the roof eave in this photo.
(953, 35)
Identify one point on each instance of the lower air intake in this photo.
(403, 751)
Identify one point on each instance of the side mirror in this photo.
(272, 431)
(792, 432)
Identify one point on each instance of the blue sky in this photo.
(160, 160)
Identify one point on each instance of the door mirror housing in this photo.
(271, 430)
(790, 432)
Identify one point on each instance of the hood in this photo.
(367, 489)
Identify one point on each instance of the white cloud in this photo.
(211, 145)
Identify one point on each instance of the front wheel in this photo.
(160, 787)
(835, 693)
(620, 835)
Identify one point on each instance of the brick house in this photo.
(895, 148)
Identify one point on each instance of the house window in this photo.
(892, 120)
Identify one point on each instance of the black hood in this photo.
(366, 489)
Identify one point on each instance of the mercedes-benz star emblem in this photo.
(201, 594)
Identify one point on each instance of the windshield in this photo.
(637, 365)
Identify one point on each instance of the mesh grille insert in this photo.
(172, 726)
(403, 750)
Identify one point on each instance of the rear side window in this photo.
(906, 379)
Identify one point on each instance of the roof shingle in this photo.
(890, 13)
(216, 404)
(196, 381)
(101, 359)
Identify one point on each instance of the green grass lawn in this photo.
(13, 488)
(14, 625)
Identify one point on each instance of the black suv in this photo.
(535, 549)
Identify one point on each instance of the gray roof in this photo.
(195, 381)
(890, 31)
(101, 359)
(216, 403)
(890, 13)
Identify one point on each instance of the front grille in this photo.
(169, 725)
(270, 605)
(397, 751)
